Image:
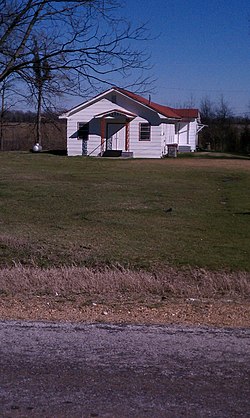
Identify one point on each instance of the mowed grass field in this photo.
(61, 211)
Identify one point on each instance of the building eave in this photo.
(149, 105)
(119, 111)
(82, 105)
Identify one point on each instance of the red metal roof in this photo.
(187, 113)
(164, 110)
(167, 111)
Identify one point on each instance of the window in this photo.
(83, 134)
(83, 130)
(145, 130)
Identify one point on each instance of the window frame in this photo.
(144, 135)
(85, 135)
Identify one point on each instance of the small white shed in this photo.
(120, 123)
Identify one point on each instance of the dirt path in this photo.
(77, 308)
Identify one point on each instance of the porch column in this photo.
(103, 127)
(127, 135)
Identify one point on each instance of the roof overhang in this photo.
(164, 119)
(115, 113)
(145, 105)
(85, 104)
(159, 110)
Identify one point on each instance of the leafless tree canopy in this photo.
(84, 42)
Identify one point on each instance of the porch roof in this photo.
(116, 113)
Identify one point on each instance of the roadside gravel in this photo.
(56, 369)
(79, 308)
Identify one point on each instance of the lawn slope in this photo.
(60, 211)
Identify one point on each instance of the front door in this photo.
(109, 141)
(114, 130)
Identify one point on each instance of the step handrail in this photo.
(99, 145)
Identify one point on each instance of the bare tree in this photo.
(190, 102)
(223, 110)
(2, 112)
(44, 85)
(42, 74)
(87, 41)
(8, 100)
(207, 109)
(221, 134)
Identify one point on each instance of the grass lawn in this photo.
(83, 211)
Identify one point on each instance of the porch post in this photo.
(103, 127)
(127, 135)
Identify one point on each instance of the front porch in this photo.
(117, 153)
(115, 133)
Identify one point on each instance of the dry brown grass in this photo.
(118, 295)
(21, 136)
(118, 281)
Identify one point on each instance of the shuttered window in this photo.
(83, 130)
(145, 131)
(83, 134)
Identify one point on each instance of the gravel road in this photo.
(97, 370)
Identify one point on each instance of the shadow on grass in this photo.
(52, 152)
(214, 155)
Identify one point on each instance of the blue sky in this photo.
(202, 49)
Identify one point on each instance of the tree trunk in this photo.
(2, 119)
(39, 116)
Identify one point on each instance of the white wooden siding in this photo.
(161, 133)
(186, 134)
(183, 137)
(168, 136)
(74, 145)
(145, 149)
(192, 135)
(136, 108)
(141, 149)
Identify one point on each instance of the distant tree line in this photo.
(18, 130)
(28, 116)
(224, 132)
(19, 116)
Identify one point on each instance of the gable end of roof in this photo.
(166, 111)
